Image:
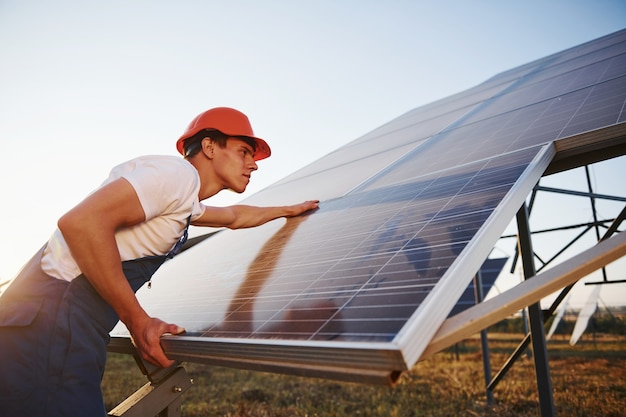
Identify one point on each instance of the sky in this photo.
(85, 85)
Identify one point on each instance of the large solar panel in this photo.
(409, 212)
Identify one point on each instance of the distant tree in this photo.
(603, 322)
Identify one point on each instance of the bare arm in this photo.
(241, 216)
(89, 230)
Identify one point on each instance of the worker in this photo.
(56, 315)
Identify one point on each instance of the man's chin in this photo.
(238, 191)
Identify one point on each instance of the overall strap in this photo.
(178, 246)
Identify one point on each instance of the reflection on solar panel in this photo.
(409, 212)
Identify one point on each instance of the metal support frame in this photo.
(540, 352)
(160, 396)
(524, 236)
(484, 341)
(613, 228)
(550, 311)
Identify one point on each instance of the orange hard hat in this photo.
(230, 122)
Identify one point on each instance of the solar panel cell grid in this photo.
(379, 247)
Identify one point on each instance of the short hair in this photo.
(193, 144)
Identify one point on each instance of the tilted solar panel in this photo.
(408, 214)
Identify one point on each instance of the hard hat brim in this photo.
(262, 149)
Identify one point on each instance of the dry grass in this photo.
(588, 380)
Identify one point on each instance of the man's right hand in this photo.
(146, 338)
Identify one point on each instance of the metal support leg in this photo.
(161, 396)
(540, 352)
(478, 295)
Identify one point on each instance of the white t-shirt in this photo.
(167, 187)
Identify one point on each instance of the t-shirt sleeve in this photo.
(163, 185)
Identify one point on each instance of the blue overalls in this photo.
(53, 337)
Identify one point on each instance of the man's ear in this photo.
(207, 147)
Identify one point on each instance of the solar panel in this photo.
(408, 214)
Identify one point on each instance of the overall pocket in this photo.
(21, 327)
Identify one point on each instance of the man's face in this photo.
(234, 164)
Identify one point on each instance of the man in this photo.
(56, 316)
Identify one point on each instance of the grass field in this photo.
(588, 379)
